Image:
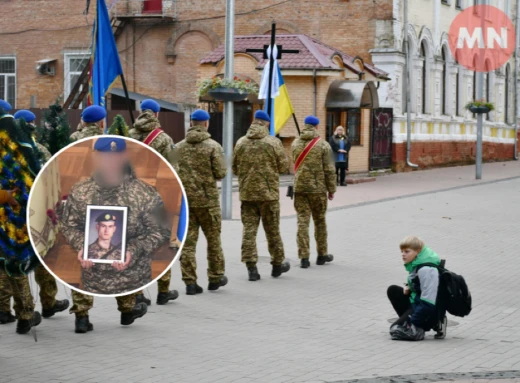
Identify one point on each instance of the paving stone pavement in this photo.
(324, 324)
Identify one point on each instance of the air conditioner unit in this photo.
(46, 67)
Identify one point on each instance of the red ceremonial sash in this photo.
(303, 154)
(152, 136)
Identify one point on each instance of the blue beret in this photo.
(200, 115)
(311, 120)
(93, 113)
(261, 115)
(5, 106)
(150, 105)
(110, 144)
(27, 115)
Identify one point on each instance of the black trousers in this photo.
(400, 302)
(340, 172)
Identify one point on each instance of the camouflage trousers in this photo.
(48, 289)
(21, 292)
(163, 283)
(83, 303)
(210, 221)
(307, 205)
(251, 213)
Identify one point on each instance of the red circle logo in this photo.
(482, 38)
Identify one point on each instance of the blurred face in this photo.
(106, 230)
(111, 166)
(408, 255)
(340, 131)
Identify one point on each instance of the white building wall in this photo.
(429, 21)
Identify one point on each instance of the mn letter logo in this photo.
(482, 38)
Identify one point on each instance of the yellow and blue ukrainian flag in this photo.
(282, 108)
(105, 66)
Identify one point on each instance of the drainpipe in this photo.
(515, 155)
(406, 80)
(316, 87)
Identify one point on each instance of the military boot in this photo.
(305, 263)
(59, 306)
(193, 289)
(253, 273)
(24, 325)
(322, 259)
(83, 325)
(138, 311)
(280, 269)
(140, 298)
(163, 298)
(6, 317)
(215, 285)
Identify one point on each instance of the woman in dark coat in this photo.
(340, 144)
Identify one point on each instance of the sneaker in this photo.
(322, 259)
(6, 317)
(442, 328)
(83, 325)
(407, 332)
(140, 298)
(24, 325)
(163, 298)
(215, 285)
(280, 269)
(137, 312)
(193, 289)
(253, 273)
(59, 306)
(305, 263)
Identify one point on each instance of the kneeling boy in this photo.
(417, 304)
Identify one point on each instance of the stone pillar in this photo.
(391, 92)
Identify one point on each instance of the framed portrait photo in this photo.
(105, 234)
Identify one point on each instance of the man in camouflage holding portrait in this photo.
(114, 184)
(258, 161)
(201, 165)
(314, 182)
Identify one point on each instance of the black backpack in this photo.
(453, 291)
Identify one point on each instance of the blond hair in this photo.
(339, 127)
(412, 242)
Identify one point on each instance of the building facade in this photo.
(443, 132)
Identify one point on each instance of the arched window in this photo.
(506, 94)
(488, 84)
(458, 76)
(424, 82)
(404, 90)
(444, 81)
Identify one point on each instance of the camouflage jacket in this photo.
(316, 173)
(258, 161)
(144, 232)
(94, 280)
(89, 130)
(201, 164)
(45, 154)
(163, 143)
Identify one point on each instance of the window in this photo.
(8, 80)
(444, 85)
(74, 65)
(446, 2)
(457, 92)
(506, 94)
(354, 126)
(424, 82)
(458, 4)
(488, 85)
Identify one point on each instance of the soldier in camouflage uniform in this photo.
(201, 164)
(113, 185)
(314, 182)
(258, 161)
(147, 129)
(46, 282)
(90, 125)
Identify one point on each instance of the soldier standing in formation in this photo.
(314, 182)
(18, 286)
(258, 161)
(91, 125)
(201, 165)
(144, 235)
(29, 118)
(147, 129)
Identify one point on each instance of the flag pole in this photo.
(271, 65)
(296, 123)
(128, 104)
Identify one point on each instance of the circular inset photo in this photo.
(107, 216)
